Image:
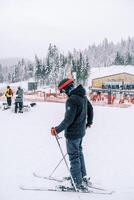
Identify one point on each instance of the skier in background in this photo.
(19, 100)
(78, 116)
(9, 94)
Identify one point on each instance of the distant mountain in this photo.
(11, 61)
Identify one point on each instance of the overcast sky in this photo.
(28, 26)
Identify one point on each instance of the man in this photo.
(9, 94)
(78, 116)
(19, 100)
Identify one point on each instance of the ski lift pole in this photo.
(57, 165)
(63, 157)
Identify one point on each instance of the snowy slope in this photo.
(27, 146)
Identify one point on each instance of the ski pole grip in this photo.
(58, 137)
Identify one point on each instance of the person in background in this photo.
(19, 100)
(9, 95)
(78, 116)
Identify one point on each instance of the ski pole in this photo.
(57, 165)
(66, 163)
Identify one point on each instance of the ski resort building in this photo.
(114, 81)
(114, 77)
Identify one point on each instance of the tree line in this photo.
(55, 65)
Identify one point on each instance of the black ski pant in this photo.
(18, 105)
(9, 101)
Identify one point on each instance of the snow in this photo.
(27, 146)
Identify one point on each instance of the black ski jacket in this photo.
(79, 113)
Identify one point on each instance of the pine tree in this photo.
(128, 60)
(83, 69)
(38, 69)
(30, 70)
(79, 68)
(16, 74)
(49, 61)
(45, 73)
(62, 64)
(119, 60)
(1, 75)
(53, 63)
(86, 71)
(9, 77)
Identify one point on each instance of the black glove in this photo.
(88, 125)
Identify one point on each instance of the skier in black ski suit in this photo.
(78, 116)
(19, 100)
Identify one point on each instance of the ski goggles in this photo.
(62, 91)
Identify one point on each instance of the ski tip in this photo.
(110, 192)
(21, 187)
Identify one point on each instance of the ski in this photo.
(64, 179)
(48, 178)
(62, 188)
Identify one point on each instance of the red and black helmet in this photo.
(65, 85)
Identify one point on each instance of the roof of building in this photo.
(111, 75)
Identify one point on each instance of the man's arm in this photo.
(71, 108)
(89, 114)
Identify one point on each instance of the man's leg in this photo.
(83, 168)
(85, 180)
(8, 101)
(16, 107)
(74, 158)
(20, 106)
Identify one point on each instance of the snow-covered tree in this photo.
(128, 59)
(38, 68)
(53, 64)
(119, 60)
(1, 75)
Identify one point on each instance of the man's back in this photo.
(19, 95)
(78, 102)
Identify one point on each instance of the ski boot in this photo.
(86, 181)
(82, 188)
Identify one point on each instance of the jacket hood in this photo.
(79, 91)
